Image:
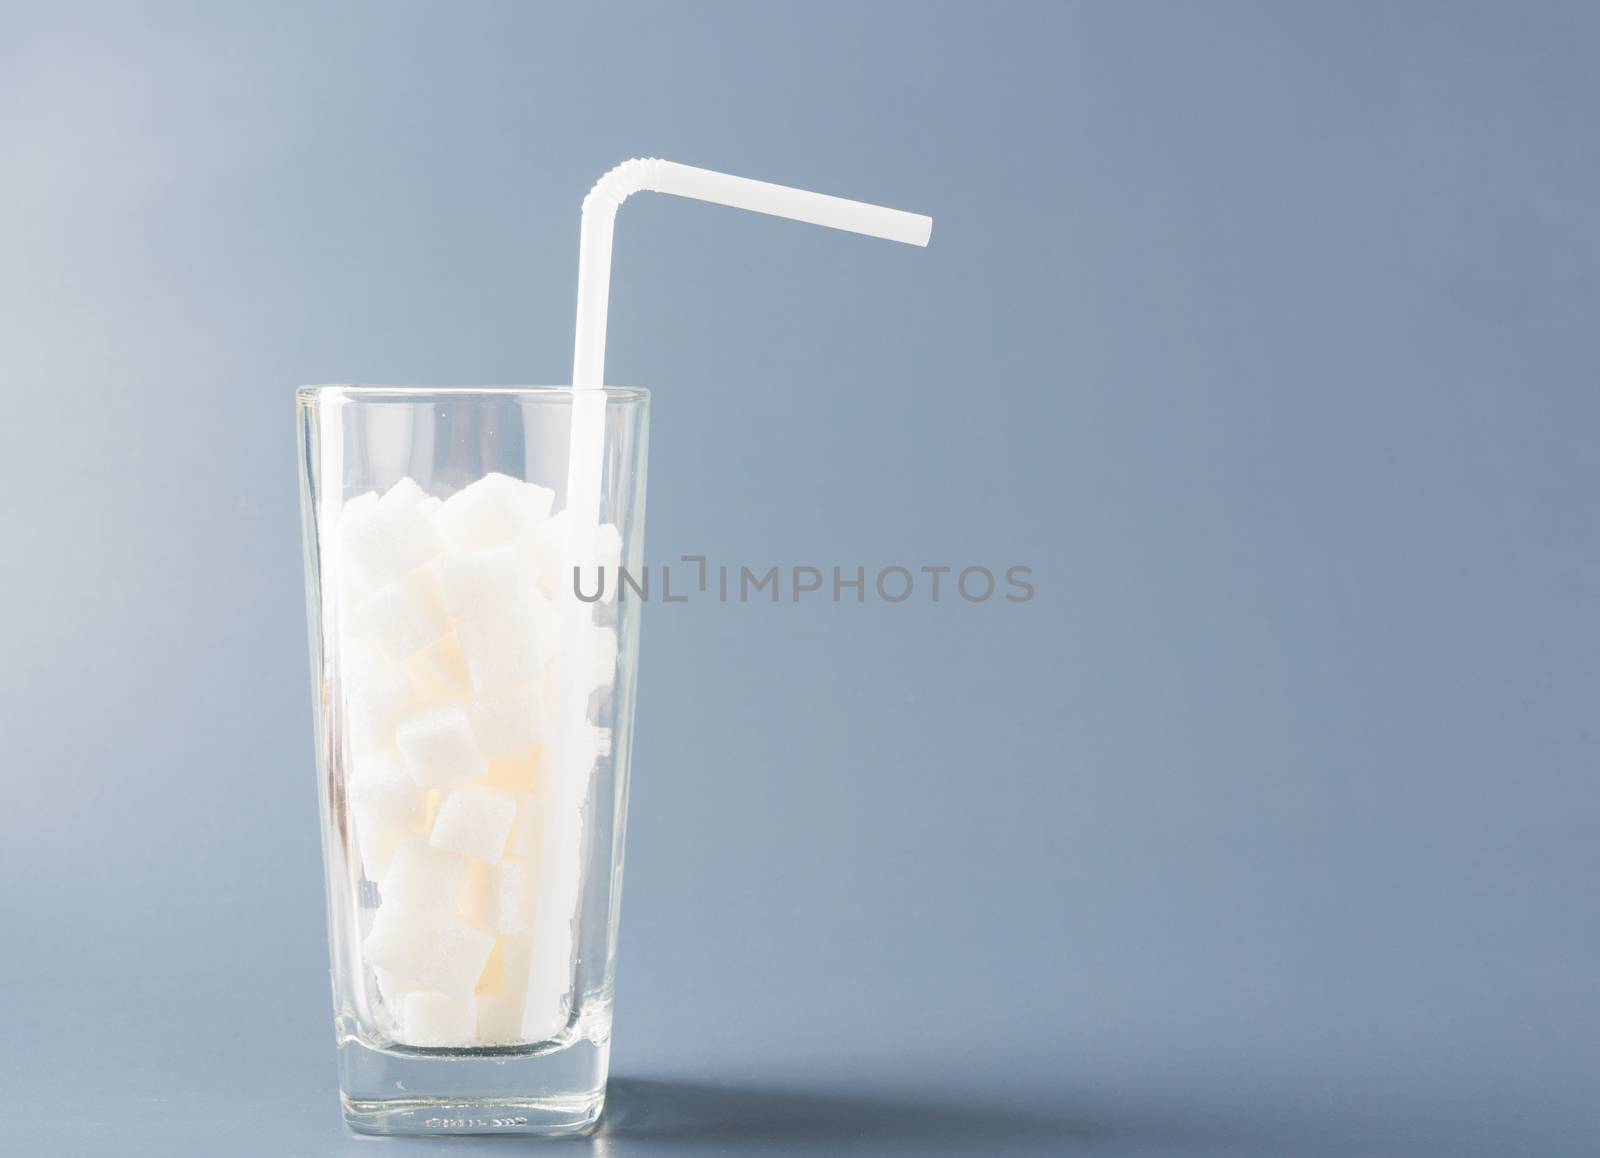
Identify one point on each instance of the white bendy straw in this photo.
(587, 443)
(594, 281)
(586, 451)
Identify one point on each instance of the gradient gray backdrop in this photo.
(1265, 333)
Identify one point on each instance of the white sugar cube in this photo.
(364, 553)
(421, 877)
(376, 692)
(474, 821)
(380, 539)
(490, 510)
(406, 492)
(502, 652)
(516, 897)
(546, 616)
(440, 669)
(504, 898)
(438, 747)
(493, 978)
(500, 1018)
(508, 721)
(350, 588)
(430, 948)
(459, 954)
(502, 992)
(527, 834)
(370, 678)
(517, 772)
(516, 954)
(437, 1019)
(392, 986)
(537, 502)
(412, 539)
(486, 582)
(385, 804)
(400, 941)
(404, 615)
(481, 895)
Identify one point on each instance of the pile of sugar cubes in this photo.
(466, 796)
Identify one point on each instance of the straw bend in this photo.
(652, 174)
(640, 175)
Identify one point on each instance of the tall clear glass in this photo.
(473, 693)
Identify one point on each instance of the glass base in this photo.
(560, 1092)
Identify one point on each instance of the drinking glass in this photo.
(472, 669)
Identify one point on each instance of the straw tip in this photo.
(909, 228)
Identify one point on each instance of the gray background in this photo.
(1265, 333)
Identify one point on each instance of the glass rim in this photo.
(414, 393)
